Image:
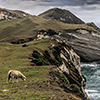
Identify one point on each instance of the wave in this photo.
(92, 73)
(93, 64)
(93, 94)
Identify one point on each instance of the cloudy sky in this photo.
(87, 10)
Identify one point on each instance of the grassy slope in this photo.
(28, 27)
(14, 56)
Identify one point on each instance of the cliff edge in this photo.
(66, 70)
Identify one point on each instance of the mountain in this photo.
(61, 15)
(84, 38)
(12, 14)
(52, 70)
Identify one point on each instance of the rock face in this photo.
(61, 15)
(85, 43)
(12, 14)
(67, 70)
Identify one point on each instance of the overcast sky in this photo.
(87, 10)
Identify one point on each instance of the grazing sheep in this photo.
(15, 74)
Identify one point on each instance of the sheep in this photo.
(15, 74)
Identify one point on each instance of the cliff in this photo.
(66, 72)
(86, 43)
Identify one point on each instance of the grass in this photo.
(37, 86)
(29, 27)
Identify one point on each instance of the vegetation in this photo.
(42, 82)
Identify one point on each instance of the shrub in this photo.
(75, 88)
(36, 54)
(51, 32)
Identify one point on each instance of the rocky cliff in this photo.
(66, 72)
(12, 14)
(86, 43)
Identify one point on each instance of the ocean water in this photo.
(92, 73)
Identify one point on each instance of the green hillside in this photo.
(27, 28)
(42, 82)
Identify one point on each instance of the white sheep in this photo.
(15, 74)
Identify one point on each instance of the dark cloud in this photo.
(58, 2)
(91, 2)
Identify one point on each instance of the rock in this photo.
(12, 14)
(5, 90)
(85, 43)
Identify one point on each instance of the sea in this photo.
(92, 73)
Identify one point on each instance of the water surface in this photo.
(92, 73)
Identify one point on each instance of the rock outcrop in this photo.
(86, 43)
(12, 14)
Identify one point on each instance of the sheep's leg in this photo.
(16, 80)
(12, 79)
(8, 79)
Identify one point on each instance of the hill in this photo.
(52, 69)
(27, 29)
(61, 15)
(84, 38)
(94, 26)
(6, 14)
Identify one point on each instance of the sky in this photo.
(86, 10)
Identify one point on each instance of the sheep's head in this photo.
(23, 78)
